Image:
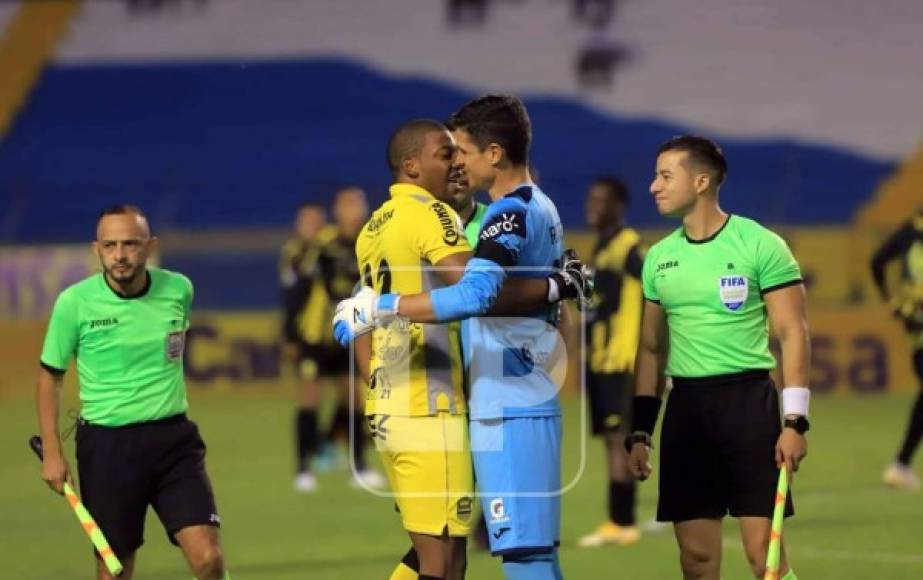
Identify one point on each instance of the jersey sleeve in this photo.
(438, 233)
(647, 276)
(503, 232)
(634, 261)
(897, 244)
(62, 334)
(776, 266)
(189, 296)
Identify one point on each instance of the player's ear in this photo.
(153, 245)
(411, 167)
(494, 153)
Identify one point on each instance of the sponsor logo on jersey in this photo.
(505, 223)
(667, 265)
(733, 291)
(500, 532)
(379, 385)
(556, 232)
(103, 322)
(379, 220)
(498, 511)
(391, 353)
(377, 429)
(449, 230)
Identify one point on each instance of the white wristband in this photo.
(795, 401)
(554, 293)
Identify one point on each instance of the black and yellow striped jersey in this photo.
(614, 317)
(906, 244)
(416, 368)
(315, 275)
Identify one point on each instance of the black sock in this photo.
(306, 434)
(914, 432)
(428, 577)
(622, 502)
(411, 560)
(339, 423)
(359, 439)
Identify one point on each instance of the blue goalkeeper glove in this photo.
(363, 312)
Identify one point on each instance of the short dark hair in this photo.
(701, 151)
(500, 119)
(342, 190)
(124, 209)
(310, 205)
(615, 187)
(407, 140)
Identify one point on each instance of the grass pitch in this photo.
(848, 525)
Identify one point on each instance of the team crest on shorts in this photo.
(733, 291)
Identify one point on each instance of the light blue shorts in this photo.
(517, 469)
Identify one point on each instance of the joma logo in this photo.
(667, 265)
(103, 322)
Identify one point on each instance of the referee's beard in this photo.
(124, 273)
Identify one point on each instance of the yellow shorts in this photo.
(428, 463)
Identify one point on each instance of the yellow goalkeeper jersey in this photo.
(416, 368)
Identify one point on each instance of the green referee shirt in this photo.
(712, 293)
(129, 350)
(473, 226)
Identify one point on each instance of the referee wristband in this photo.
(645, 409)
(795, 401)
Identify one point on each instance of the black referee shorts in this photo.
(717, 448)
(322, 360)
(123, 470)
(610, 396)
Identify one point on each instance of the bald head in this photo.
(132, 212)
(408, 140)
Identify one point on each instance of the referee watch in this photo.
(799, 423)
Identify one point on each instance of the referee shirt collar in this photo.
(711, 237)
(404, 189)
(142, 292)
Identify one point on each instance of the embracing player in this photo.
(513, 363)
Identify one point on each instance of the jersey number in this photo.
(384, 277)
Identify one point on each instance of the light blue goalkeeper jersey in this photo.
(516, 365)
